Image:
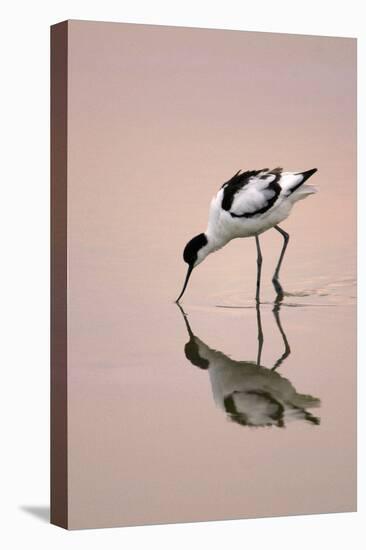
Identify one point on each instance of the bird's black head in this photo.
(190, 253)
(191, 256)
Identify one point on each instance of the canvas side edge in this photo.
(59, 447)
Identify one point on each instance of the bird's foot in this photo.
(277, 286)
(279, 291)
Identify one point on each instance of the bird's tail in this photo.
(300, 178)
(300, 190)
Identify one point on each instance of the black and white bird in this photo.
(247, 205)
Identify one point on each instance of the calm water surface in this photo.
(220, 410)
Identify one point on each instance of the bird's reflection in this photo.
(249, 393)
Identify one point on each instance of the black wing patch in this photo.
(234, 185)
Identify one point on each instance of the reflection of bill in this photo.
(251, 395)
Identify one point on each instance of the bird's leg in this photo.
(275, 278)
(259, 269)
(286, 353)
(260, 334)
